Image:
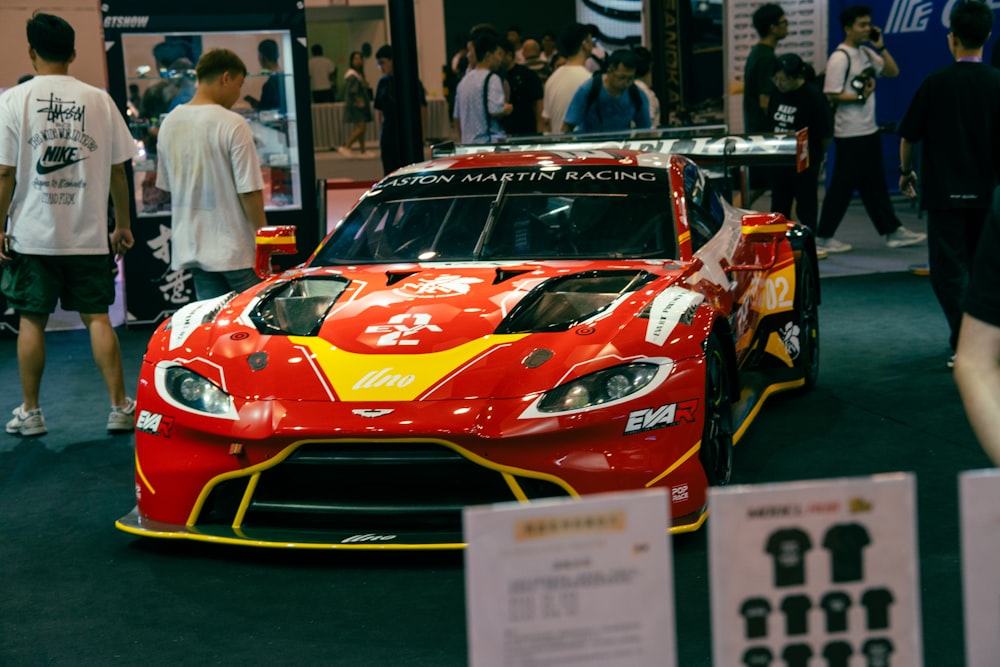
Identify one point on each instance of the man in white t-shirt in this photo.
(850, 84)
(63, 148)
(322, 77)
(576, 45)
(480, 101)
(208, 163)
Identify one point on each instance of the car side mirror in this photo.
(276, 240)
(766, 229)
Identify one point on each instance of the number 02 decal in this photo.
(778, 291)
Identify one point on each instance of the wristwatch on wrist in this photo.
(881, 48)
(905, 172)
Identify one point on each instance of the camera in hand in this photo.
(859, 81)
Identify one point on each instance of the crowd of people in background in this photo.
(509, 85)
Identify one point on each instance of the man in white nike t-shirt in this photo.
(63, 148)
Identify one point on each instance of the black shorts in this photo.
(81, 283)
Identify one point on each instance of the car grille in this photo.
(393, 486)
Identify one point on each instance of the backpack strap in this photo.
(486, 108)
(847, 72)
(593, 94)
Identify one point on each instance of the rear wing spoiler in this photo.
(708, 145)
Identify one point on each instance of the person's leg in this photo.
(107, 354)
(358, 133)
(31, 356)
(873, 189)
(842, 181)
(240, 280)
(782, 190)
(806, 198)
(208, 284)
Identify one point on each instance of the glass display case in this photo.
(152, 50)
(160, 74)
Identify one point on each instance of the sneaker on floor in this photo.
(27, 422)
(821, 254)
(903, 237)
(122, 418)
(832, 245)
(346, 152)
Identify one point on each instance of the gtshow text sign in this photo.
(571, 582)
(815, 572)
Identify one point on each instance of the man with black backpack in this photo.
(611, 101)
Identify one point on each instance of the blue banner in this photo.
(916, 35)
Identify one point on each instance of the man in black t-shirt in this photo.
(954, 115)
(772, 25)
(388, 110)
(526, 93)
(977, 362)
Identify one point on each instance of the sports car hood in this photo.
(426, 332)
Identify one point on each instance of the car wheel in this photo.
(807, 311)
(717, 437)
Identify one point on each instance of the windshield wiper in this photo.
(491, 219)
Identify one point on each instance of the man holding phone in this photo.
(851, 71)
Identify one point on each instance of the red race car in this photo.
(495, 326)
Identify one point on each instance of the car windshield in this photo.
(509, 214)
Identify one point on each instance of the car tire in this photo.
(807, 318)
(716, 452)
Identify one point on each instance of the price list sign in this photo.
(815, 572)
(571, 582)
(979, 496)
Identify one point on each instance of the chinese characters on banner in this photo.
(815, 571)
(153, 290)
(571, 582)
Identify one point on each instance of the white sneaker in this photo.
(832, 245)
(903, 237)
(821, 254)
(27, 422)
(122, 418)
(346, 152)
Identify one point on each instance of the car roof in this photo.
(603, 157)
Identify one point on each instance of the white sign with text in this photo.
(571, 582)
(979, 500)
(807, 572)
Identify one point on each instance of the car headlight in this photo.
(193, 391)
(603, 386)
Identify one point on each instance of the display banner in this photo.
(815, 572)
(571, 582)
(979, 503)
(806, 37)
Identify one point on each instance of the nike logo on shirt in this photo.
(43, 169)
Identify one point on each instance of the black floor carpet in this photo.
(73, 590)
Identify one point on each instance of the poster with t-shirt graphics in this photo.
(816, 573)
(807, 36)
(571, 582)
(979, 503)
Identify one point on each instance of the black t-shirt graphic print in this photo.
(836, 604)
(755, 611)
(788, 547)
(796, 608)
(846, 542)
(876, 601)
